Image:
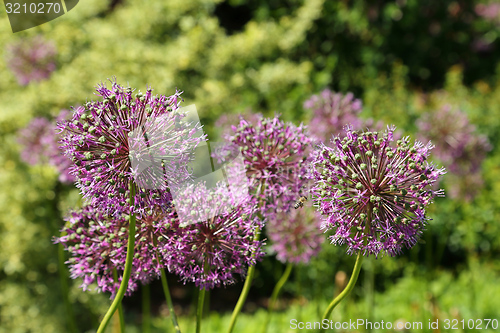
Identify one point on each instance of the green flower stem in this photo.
(369, 290)
(120, 307)
(199, 312)
(250, 274)
(121, 318)
(128, 266)
(168, 298)
(348, 288)
(245, 291)
(166, 291)
(355, 272)
(63, 275)
(275, 294)
(201, 298)
(146, 309)
(206, 308)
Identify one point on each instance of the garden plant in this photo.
(251, 166)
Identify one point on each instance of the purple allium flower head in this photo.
(295, 235)
(489, 11)
(40, 142)
(275, 156)
(225, 121)
(449, 129)
(31, 59)
(211, 250)
(35, 138)
(331, 112)
(372, 194)
(57, 158)
(458, 146)
(97, 244)
(455, 137)
(126, 138)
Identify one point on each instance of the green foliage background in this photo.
(402, 58)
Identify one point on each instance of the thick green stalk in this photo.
(355, 272)
(199, 312)
(120, 307)
(206, 308)
(275, 294)
(146, 309)
(348, 288)
(121, 318)
(249, 278)
(128, 266)
(369, 290)
(201, 298)
(245, 291)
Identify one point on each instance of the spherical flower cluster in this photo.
(275, 156)
(36, 139)
(225, 121)
(97, 245)
(490, 12)
(373, 194)
(331, 112)
(56, 157)
(295, 235)
(458, 147)
(31, 59)
(129, 138)
(211, 235)
(40, 142)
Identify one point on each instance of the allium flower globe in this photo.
(40, 142)
(218, 241)
(97, 244)
(31, 59)
(35, 138)
(332, 111)
(295, 235)
(455, 138)
(275, 156)
(129, 138)
(458, 146)
(225, 121)
(372, 193)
